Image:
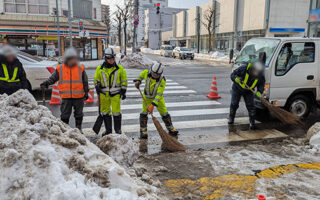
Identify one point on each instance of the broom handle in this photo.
(251, 90)
(144, 100)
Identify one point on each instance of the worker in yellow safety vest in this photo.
(111, 84)
(153, 95)
(12, 74)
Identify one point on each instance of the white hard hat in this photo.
(109, 53)
(157, 68)
(8, 50)
(71, 52)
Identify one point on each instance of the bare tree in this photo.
(125, 14)
(118, 20)
(208, 21)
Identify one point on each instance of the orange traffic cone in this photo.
(213, 94)
(91, 96)
(55, 96)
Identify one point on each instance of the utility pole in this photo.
(58, 28)
(70, 22)
(136, 12)
(198, 29)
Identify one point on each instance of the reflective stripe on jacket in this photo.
(246, 78)
(6, 75)
(70, 81)
(154, 89)
(112, 80)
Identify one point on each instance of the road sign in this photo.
(136, 17)
(136, 23)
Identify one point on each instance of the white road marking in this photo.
(174, 87)
(175, 113)
(169, 105)
(185, 124)
(165, 92)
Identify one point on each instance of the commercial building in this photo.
(236, 21)
(314, 19)
(156, 24)
(31, 25)
(105, 17)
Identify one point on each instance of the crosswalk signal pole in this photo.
(136, 12)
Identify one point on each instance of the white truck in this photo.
(292, 71)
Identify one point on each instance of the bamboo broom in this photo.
(168, 142)
(283, 115)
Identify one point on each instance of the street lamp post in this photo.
(70, 22)
(58, 28)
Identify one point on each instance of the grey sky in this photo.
(186, 3)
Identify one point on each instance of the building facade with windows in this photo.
(237, 21)
(31, 26)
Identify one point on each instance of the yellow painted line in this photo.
(208, 188)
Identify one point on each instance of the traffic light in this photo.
(81, 25)
(158, 8)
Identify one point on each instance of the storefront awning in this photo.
(42, 31)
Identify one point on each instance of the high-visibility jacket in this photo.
(70, 81)
(6, 77)
(154, 88)
(246, 78)
(112, 79)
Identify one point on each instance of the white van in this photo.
(292, 71)
(166, 50)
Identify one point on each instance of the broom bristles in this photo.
(283, 115)
(170, 143)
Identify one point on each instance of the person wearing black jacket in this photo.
(12, 74)
(73, 87)
(251, 75)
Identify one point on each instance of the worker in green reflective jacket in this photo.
(155, 84)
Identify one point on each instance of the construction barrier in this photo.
(55, 95)
(213, 94)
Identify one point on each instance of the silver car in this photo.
(183, 53)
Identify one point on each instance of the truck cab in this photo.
(292, 70)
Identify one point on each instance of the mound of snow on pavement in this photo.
(43, 158)
(219, 55)
(136, 60)
(120, 148)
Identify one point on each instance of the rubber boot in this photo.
(66, 121)
(168, 122)
(232, 115)
(252, 123)
(143, 126)
(79, 124)
(108, 125)
(117, 123)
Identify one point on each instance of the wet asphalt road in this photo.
(201, 122)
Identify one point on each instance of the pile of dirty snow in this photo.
(313, 136)
(136, 60)
(43, 158)
(119, 147)
(219, 56)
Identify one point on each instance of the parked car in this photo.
(166, 50)
(37, 70)
(292, 71)
(183, 53)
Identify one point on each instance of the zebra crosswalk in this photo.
(193, 118)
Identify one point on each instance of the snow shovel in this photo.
(283, 115)
(170, 143)
(97, 125)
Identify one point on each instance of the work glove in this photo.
(150, 108)
(238, 80)
(86, 96)
(137, 84)
(98, 89)
(44, 85)
(258, 94)
(123, 94)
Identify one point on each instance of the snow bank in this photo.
(42, 158)
(136, 60)
(120, 148)
(219, 56)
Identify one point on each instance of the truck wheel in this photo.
(299, 105)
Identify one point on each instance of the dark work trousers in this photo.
(248, 99)
(66, 109)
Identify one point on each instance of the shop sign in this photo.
(314, 15)
(47, 37)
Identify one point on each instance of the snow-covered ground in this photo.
(136, 60)
(43, 158)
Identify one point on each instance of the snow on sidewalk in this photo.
(136, 60)
(43, 158)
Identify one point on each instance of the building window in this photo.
(26, 6)
(94, 13)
